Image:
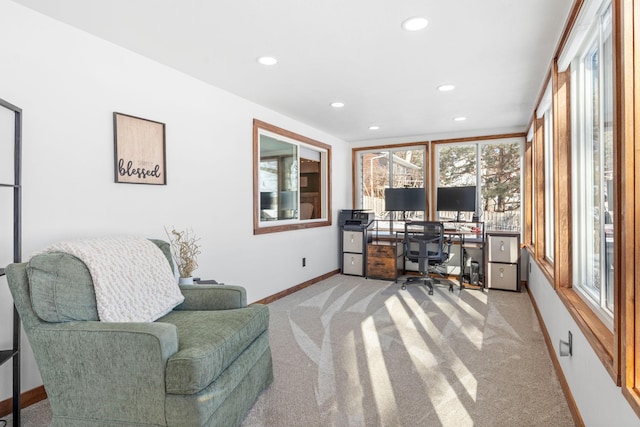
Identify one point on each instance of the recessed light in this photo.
(374, 127)
(337, 104)
(267, 60)
(446, 88)
(460, 119)
(415, 24)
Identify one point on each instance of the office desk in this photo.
(385, 253)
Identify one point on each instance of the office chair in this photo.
(424, 243)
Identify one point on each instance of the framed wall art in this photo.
(139, 150)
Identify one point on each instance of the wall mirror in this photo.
(291, 180)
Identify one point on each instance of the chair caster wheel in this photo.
(403, 287)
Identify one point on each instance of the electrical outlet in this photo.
(566, 347)
(304, 262)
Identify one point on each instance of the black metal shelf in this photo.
(14, 353)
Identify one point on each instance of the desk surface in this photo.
(466, 237)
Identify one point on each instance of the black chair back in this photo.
(424, 243)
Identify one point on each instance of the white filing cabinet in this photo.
(353, 252)
(503, 261)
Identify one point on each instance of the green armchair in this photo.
(203, 364)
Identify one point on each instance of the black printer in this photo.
(355, 219)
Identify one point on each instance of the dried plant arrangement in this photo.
(185, 250)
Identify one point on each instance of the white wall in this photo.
(599, 401)
(68, 84)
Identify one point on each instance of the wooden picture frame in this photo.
(139, 150)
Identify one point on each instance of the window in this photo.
(549, 209)
(402, 167)
(291, 180)
(457, 166)
(500, 184)
(593, 157)
(545, 159)
(494, 167)
(530, 179)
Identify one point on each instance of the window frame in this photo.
(478, 144)
(626, 255)
(430, 165)
(549, 190)
(528, 200)
(356, 169)
(583, 125)
(264, 227)
(395, 221)
(544, 182)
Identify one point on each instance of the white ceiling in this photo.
(496, 52)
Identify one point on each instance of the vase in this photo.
(185, 280)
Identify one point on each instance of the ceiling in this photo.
(496, 53)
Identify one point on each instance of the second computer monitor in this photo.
(456, 199)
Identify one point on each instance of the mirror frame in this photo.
(260, 228)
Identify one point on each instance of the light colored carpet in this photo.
(355, 352)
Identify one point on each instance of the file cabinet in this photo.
(353, 252)
(503, 261)
(354, 236)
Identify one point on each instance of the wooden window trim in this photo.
(303, 224)
(538, 159)
(528, 194)
(626, 18)
(561, 101)
(354, 162)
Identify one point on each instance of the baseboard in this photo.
(296, 288)
(575, 413)
(27, 398)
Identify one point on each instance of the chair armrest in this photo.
(212, 297)
(158, 337)
(113, 363)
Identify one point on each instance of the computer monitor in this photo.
(268, 200)
(456, 199)
(404, 199)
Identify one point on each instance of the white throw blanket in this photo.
(131, 276)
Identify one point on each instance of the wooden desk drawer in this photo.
(381, 261)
